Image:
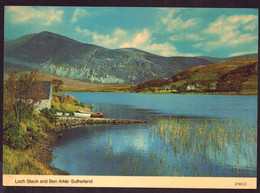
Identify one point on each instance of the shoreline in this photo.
(183, 93)
(43, 149)
(43, 152)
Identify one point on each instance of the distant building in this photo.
(191, 87)
(167, 88)
(47, 97)
(213, 86)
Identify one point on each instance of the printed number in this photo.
(240, 184)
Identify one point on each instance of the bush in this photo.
(152, 89)
(49, 114)
(14, 138)
(80, 104)
(181, 88)
(18, 142)
(34, 133)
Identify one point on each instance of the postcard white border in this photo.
(130, 181)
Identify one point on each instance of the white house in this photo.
(167, 87)
(191, 87)
(47, 97)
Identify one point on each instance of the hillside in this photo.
(75, 85)
(68, 83)
(232, 76)
(222, 60)
(59, 55)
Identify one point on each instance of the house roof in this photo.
(45, 86)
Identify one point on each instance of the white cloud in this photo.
(120, 32)
(24, 14)
(198, 45)
(169, 16)
(244, 38)
(176, 24)
(251, 27)
(186, 37)
(163, 49)
(230, 31)
(104, 40)
(85, 32)
(242, 53)
(142, 40)
(138, 40)
(241, 18)
(110, 41)
(79, 12)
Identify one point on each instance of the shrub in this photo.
(49, 114)
(14, 138)
(18, 142)
(152, 89)
(181, 88)
(34, 133)
(80, 104)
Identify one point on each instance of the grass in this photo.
(16, 161)
(66, 103)
(22, 162)
(99, 88)
(37, 132)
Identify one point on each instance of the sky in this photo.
(214, 32)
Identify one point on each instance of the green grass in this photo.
(66, 103)
(99, 88)
(22, 162)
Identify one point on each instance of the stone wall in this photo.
(67, 122)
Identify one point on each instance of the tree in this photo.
(56, 84)
(176, 78)
(152, 89)
(174, 87)
(24, 93)
(182, 88)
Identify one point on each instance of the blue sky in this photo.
(163, 31)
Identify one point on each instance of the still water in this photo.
(186, 135)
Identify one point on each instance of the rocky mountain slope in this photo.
(59, 55)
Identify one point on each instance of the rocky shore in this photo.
(68, 122)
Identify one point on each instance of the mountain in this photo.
(238, 75)
(222, 60)
(59, 55)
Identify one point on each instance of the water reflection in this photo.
(226, 143)
(169, 145)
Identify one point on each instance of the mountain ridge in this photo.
(63, 56)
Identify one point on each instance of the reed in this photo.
(190, 147)
(231, 142)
